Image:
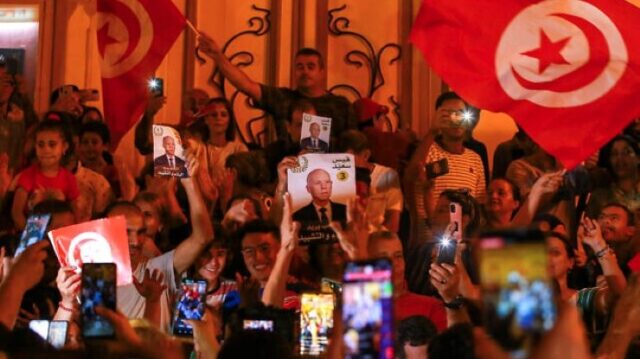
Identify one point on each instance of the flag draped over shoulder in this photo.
(568, 71)
(133, 38)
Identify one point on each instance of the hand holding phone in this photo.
(156, 86)
(98, 289)
(33, 231)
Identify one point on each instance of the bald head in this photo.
(319, 186)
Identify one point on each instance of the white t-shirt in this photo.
(385, 194)
(132, 304)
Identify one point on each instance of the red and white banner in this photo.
(568, 71)
(133, 38)
(100, 241)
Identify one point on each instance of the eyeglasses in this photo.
(263, 248)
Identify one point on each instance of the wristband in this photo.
(601, 253)
(456, 303)
(66, 309)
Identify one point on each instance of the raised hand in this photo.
(68, 282)
(193, 164)
(240, 212)
(16, 114)
(354, 238)
(446, 279)
(590, 234)
(288, 228)
(283, 166)
(208, 45)
(152, 285)
(549, 183)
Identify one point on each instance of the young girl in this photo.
(47, 178)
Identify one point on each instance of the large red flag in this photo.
(568, 71)
(133, 38)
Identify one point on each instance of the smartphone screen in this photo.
(34, 231)
(98, 289)
(316, 322)
(455, 218)
(40, 327)
(190, 305)
(367, 309)
(58, 333)
(257, 324)
(517, 292)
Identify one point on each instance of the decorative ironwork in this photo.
(258, 26)
(338, 26)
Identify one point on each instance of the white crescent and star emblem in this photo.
(125, 34)
(560, 53)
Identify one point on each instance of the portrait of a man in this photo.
(169, 162)
(321, 209)
(313, 142)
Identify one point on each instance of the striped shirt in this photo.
(465, 171)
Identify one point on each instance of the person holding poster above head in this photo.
(134, 300)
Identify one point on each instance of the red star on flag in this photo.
(549, 52)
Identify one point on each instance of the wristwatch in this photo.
(456, 303)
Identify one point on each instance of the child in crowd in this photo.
(47, 177)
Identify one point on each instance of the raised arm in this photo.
(202, 229)
(542, 189)
(590, 234)
(231, 72)
(276, 286)
(26, 272)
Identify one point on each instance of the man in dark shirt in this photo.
(309, 75)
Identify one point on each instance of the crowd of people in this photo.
(228, 222)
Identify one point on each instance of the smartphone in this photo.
(455, 218)
(316, 322)
(156, 86)
(367, 309)
(329, 285)
(265, 325)
(190, 305)
(517, 291)
(34, 231)
(58, 333)
(98, 289)
(40, 327)
(447, 251)
(437, 168)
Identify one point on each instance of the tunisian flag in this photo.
(568, 71)
(133, 38)
(101, 241)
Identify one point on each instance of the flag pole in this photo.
(192, 27)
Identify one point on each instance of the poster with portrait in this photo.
(168, 153)
(320, 187)
(101, 241)
(315, 134)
